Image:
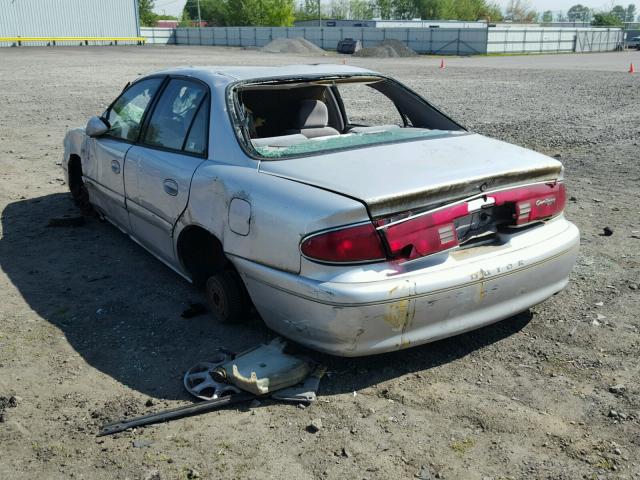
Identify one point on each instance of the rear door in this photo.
(104, 166)
(160, 167)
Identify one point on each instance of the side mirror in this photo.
(96, 126)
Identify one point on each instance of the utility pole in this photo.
(319, 15)
(199, 18)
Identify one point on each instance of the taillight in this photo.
(535, 202)
(432, 232)
(426, 234)
(360, 243)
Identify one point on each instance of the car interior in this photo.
(278, 116)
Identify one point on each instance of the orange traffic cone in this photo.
(442, 64)
(631, 69)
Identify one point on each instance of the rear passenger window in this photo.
(197, 138)
(173, 115)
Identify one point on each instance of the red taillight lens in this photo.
(432, 232)
(351, 244)
(436, 231)
(426, 234)
(534, 202)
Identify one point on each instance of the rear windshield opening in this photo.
(297, 118)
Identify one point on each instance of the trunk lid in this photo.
(420, 174)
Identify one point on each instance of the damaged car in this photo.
(353, 214)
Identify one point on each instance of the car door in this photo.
(103, 168)
(160, 167)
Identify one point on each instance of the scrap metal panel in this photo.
(68, 18)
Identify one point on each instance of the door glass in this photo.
(173, 114)
(197, 139)
(126, 113)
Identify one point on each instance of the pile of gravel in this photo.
(292, 45)
(389, 48)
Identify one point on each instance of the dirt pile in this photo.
(292, 45)
(390, 48)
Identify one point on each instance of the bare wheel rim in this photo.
(217, 297)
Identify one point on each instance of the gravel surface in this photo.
(292, 45)
(91, 329)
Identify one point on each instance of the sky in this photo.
(174, 7)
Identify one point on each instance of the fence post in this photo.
(541, 40)
(524, 41)
(559, 32)
(458, 43)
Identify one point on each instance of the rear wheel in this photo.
(226, 296)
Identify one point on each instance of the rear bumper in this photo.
(471, 289)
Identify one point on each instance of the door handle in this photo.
(170, 187)
(115, 166)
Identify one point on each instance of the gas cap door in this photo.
(239, 216)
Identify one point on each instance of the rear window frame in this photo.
(245, 144)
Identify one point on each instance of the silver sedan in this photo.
(354, 215)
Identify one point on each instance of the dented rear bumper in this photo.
(468, 289)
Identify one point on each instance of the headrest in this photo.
(312, 114)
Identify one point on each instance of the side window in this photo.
(197, 139)
(173, 114)
(358, 98)
(126, 113)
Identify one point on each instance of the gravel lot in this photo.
(90, 325)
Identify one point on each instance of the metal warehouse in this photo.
(68, 22)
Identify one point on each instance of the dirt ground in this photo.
(90, 326)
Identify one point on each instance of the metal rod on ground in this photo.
(187, 410)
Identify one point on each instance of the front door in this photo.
(159, 169)
(105, 164)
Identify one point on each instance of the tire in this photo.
(226, 298)
(79, 192)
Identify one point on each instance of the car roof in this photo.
(233, 73)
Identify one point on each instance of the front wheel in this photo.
(225, 296)
(78, 189)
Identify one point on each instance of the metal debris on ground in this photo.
(304, 392)
(234, 378)
(263, 369)
(194, 310)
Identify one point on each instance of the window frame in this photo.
(127, 87)
(244, 142)
(150, 112)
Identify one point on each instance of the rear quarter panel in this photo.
(282, 212)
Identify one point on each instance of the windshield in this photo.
(279, 119)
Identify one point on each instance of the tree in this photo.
(277, 13)
(547, 16)
(146, 14)
(579, 13)
(308, 10)
(340, 9)
(619, 12)
(361, 9)
(631, 12)
(520, 11)
(606, 19)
